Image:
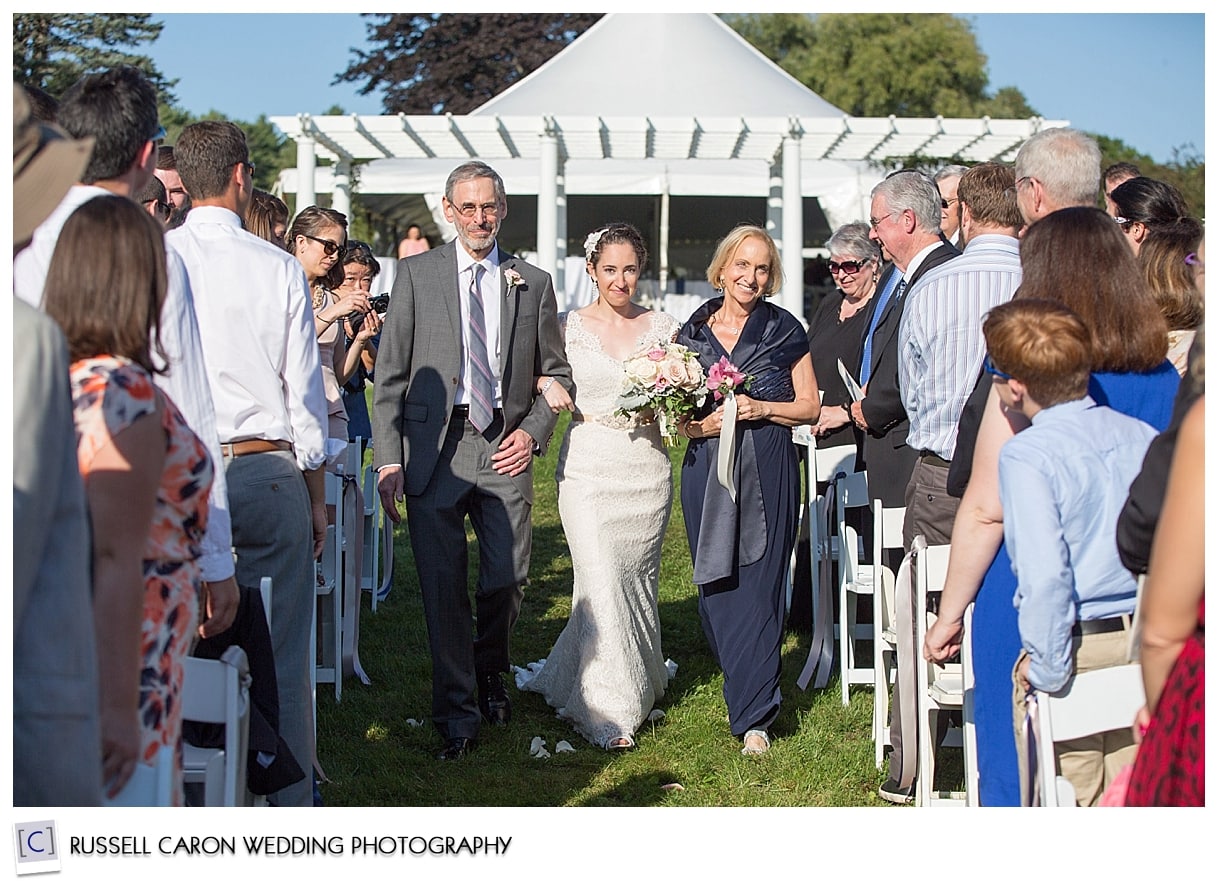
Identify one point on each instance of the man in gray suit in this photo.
(457, 420)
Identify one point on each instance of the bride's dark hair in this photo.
(616, 234)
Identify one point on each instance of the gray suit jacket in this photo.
(56, 740)
(418, 364)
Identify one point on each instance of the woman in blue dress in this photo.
(1076, 256)
(741, 539)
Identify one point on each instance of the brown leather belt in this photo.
(934, 459)
(246, 447)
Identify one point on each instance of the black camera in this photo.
(379, 304)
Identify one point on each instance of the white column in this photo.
(547, 210)
(306, 167)
(792, 226)
(340, 196)
(664, 232)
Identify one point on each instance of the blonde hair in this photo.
(727, 247)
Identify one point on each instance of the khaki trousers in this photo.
(1090, 763)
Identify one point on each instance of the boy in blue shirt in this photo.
(1063, 482)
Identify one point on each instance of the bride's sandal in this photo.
(620, 744)
(756, 742)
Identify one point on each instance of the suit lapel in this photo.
(507, 315)
(447, 281)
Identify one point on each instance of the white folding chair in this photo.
(857, 579)
(218, 692)
(972, 776)
(940, 688)
(327, 647)
(887, 524)
(377, 575)
(1092, 703)
(823, 465)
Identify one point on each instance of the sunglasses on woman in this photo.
(850, 267)
(328, 246)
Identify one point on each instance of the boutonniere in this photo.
(514, 279)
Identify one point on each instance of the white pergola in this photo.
(772, 156)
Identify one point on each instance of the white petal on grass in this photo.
(655, 715)
(564, 747)
(542, 753)
(537, 745)
(413, 723)
(673, 787)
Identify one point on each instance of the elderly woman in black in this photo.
(836, 330)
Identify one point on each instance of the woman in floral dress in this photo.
(147, 478)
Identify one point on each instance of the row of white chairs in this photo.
(858, 574)
(1097, 701)
(376, 575)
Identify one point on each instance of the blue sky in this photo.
(1137, 77)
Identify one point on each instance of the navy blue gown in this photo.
(995, 640)
(741, 550)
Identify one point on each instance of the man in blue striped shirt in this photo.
(940, 342)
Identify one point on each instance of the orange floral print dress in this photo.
(108, 395)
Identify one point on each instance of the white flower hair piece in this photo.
(592, 241)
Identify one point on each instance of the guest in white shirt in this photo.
(124, 156)
(941, 345)
(256, 324)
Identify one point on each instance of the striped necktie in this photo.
(897, 283)
(481, 383)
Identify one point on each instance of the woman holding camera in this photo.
(360, 268)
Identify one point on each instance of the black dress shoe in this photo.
(457, 748)
(493, 700)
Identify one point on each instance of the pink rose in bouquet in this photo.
(724, 377)
(665, 379)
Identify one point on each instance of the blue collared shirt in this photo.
(1063, 481)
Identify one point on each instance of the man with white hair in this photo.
(947, 179)
(1056, 168)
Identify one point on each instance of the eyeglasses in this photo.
(328, 246)
(159, 135)
(1193, 260)
(994, 371)
(947, 203)
(1123, 222)
(850, 267)
(469, 209)
(875, 224)
(1014, 191)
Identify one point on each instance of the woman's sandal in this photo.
(753, 749)
(620, 743)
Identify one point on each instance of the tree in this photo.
(52, 51)
(438, 63)
(884, 63)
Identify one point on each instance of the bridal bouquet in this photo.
(666, 379)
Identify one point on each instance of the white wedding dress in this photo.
(607, 670)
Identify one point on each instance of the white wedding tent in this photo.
(669, 120)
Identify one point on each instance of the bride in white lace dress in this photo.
(607, 670)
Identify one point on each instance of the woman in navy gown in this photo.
(1076, 256)
(741, 541)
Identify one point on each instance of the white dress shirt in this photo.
(940, 341)
(492, 311)
(186, 383)
(255, 319)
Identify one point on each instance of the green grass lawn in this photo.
(822, 753)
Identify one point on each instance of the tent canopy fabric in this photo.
(659, 64)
